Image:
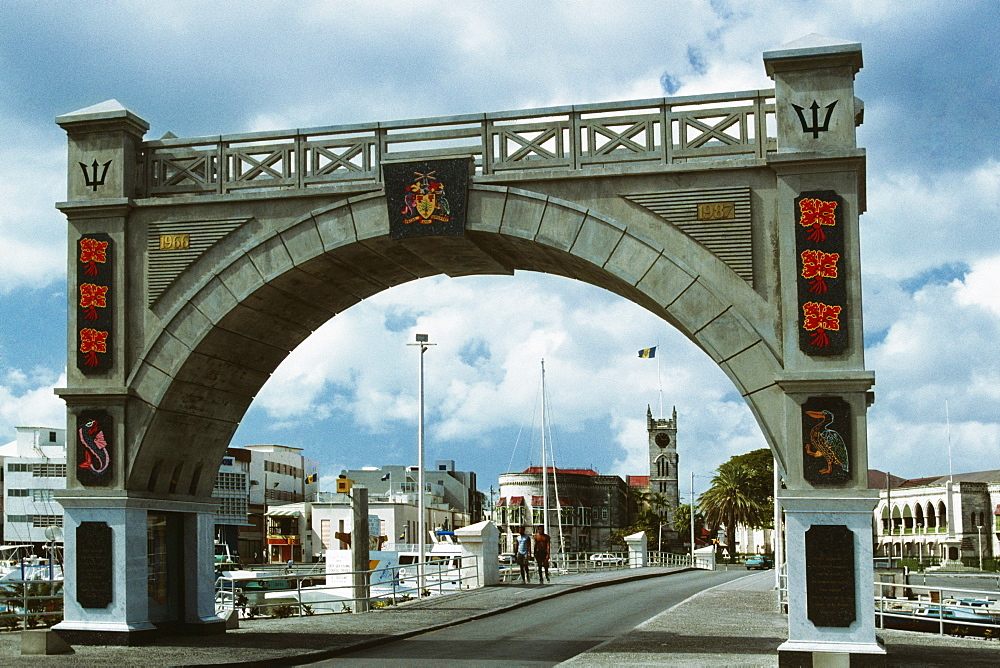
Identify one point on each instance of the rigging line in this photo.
(555, 478)
(510, 464)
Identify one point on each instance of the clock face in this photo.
(663, 440)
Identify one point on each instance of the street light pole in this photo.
(421, 524)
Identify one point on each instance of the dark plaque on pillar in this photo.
(427, 198)
(830, 577)
(93, 565)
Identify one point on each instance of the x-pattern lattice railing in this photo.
(589, 137)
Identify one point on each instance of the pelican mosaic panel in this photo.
(94, 298)
(822, 286)
(427, 198)
(94, 442)
(827, 456)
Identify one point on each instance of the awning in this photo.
(282, 512)
(515, 500)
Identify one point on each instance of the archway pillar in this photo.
(844, 594)
(136, 565)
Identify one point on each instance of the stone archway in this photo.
(233, 321)
(200, 264)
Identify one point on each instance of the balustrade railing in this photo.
(614, 135)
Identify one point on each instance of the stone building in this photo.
(663, 458)
(585, 507)
(949, 519)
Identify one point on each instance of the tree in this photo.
(731, 500)
(761, 465)
(682, 521)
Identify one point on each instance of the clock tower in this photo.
(663, 458)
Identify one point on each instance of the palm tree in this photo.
(730, 501)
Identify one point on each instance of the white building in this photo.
(941, 518)
(34, 466)
(232, 489)
(279, 475)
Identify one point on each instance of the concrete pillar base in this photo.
(120, 635)
(44, 641)
(832, 655)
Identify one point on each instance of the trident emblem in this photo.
(816, 127)
(91, 180)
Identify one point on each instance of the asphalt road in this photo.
(547, 632)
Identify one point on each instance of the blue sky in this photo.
(930, 240)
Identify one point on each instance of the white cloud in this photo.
(28, 400)
(940, 350)
(917, 221)
(980, 285)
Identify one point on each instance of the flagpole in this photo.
(659, 383)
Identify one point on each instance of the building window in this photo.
(42, 495)
(18, 468)
(604, 514)
(18, 518)
(17, 492)
(52, 437)
(230, 482)
(48, 470)
(662, 467)
(46, 520)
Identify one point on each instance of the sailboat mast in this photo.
(545, 476)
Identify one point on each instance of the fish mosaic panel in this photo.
(94, 448)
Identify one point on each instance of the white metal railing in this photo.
(30, 603)
(659, 131)
(683, 560)
(938, 609)
(783, 587)
(299, 594)
(568, 563)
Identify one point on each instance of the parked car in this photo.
(759, 561)
(607, 559)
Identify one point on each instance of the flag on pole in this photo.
(311, 479)
(385, 477)
(647, 353)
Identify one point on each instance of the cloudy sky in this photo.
(930, 238)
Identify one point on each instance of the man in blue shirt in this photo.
(523, 555)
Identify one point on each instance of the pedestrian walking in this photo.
(523, 554)
(542, 553)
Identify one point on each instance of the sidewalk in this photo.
(735, 624)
